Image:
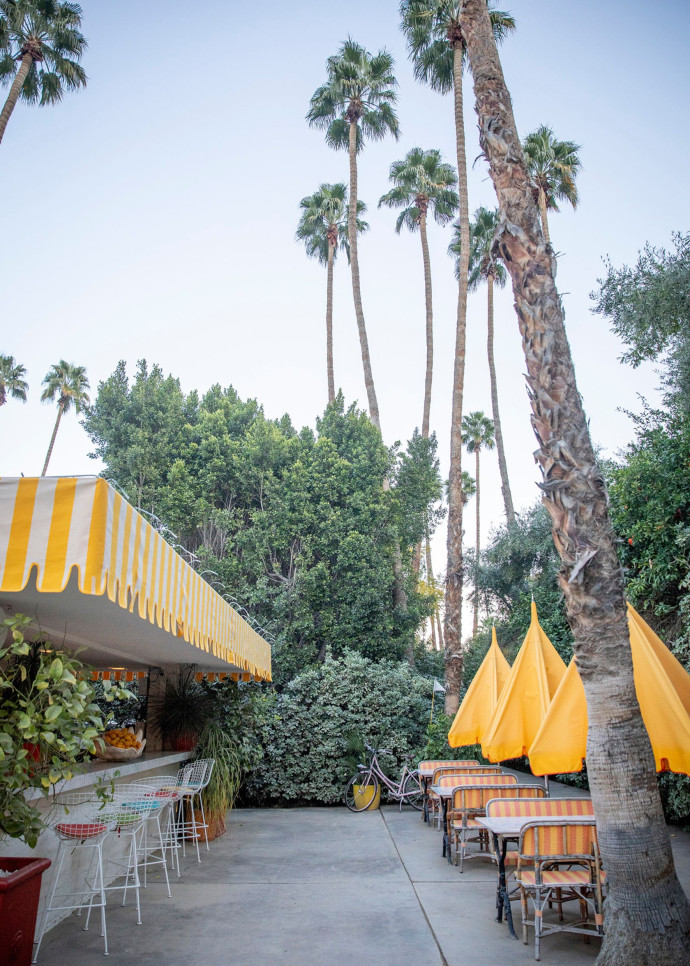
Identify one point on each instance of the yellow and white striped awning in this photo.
(58, 535)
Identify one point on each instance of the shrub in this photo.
(305, 738)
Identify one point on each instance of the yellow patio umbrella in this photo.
(663, 691)
(524, 701)
(481, 699)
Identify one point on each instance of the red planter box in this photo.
(19, 894)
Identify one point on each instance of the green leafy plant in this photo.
(48, 720)
(184, 709)
(385, 703)
(221, 791)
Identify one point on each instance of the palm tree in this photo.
(323, 229)
(648, 914)
(477, 434)
(423, 183)
(67, 384)
(485, 267)
(553, 167)
(433, 29)
(12, 380)
(44, 37)
(356, 103)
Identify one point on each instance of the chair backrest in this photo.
(431, 766)
(455, 781)
(465, 770)
(547, 807)
(194, 774)
(552, 839)
(475, 798)
(167, 787)
(127, 806)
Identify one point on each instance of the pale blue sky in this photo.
(153, 214)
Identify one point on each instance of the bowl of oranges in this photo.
(120, 744)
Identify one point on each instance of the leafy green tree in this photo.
(553, 166)
(44, 36)
(484, 266)
(68, 384)
(434, 33)
(12, 382)
(323, 229)
(423, 183)
(650, 509)
(297, 524)
(648, 308)
(477, 434)
(356, 103)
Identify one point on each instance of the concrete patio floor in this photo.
(317, 886)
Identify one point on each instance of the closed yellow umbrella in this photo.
(525, 699)
(663, 691)
(481, 699)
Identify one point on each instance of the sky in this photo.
(152, 215)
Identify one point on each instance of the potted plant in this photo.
(183, 710)
(220, 793)
(48, 721)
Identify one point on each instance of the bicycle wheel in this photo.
(361, 791)
(413, 793)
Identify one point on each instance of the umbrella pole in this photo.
(546, 785)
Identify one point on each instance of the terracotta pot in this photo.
(19, 894)
(216, 826)
(186, 742)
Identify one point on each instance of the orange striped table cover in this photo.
(427, 768)
(447, 784)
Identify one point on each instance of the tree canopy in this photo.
(297, 524)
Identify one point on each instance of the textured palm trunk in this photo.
(544, 216)
(435, 623)
(15, 91)
(647, 916)
(426, 416)
(453, 596)
(3, 394)
(329, 325)
(356, 293)
(475, 619)
(52, 439)
(498, 432)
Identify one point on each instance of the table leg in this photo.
(446, 843)
(502, 898)
(425, 800)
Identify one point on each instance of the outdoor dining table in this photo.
(445, 793)
(505, 829)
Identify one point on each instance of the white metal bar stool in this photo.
(193, 779)
(78, 825)
(126, 812)
(166, 794)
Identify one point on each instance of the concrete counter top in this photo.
(115, 770)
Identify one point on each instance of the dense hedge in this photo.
(304, 737)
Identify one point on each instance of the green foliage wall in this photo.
(305, 738)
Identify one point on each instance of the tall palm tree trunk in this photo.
(453, 597)
(52, 439)
(435, 621)
(544, 216)
(356, 292)
(475, 619)
(426, 416)
(498, 432)
(329, 324)
(428, 302)
(15, 91)
(647, 914)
